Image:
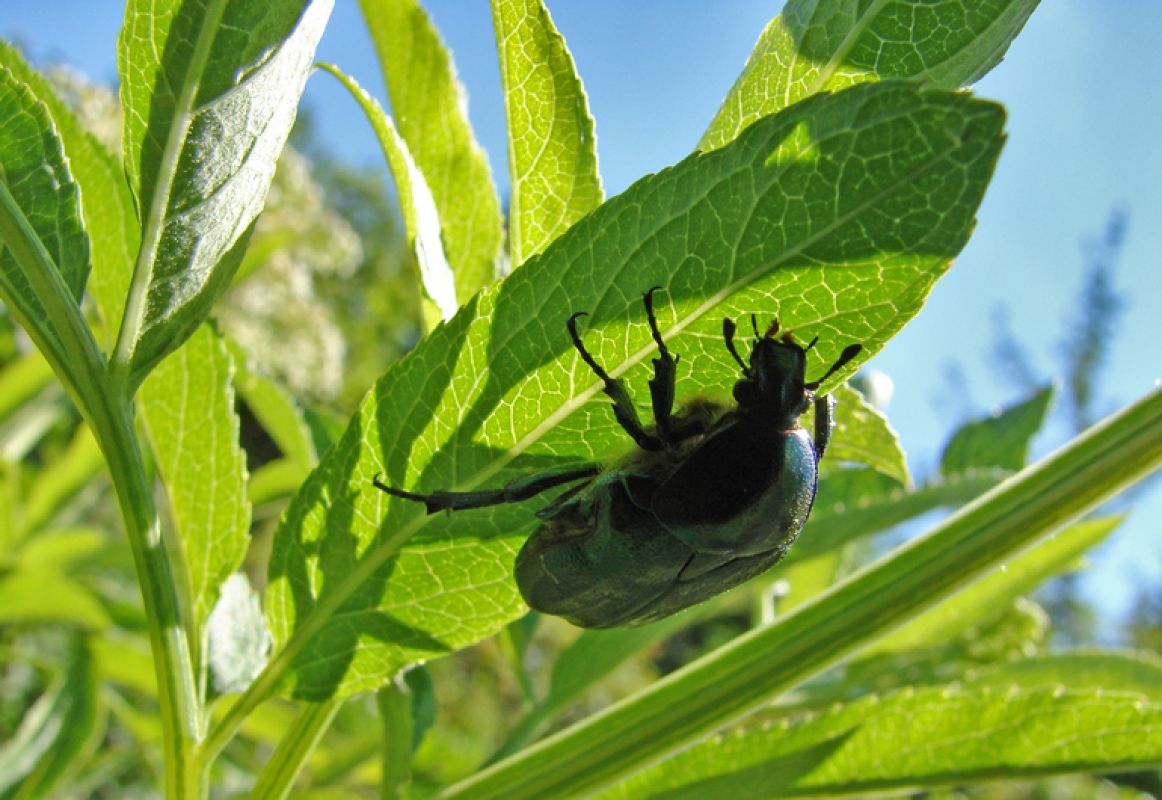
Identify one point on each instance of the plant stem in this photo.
(67, 344)
(734, 680)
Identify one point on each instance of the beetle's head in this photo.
(774, 384)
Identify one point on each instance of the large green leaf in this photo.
(821, 47)
(106, 204)
(929, 737)
(188, 407)
(552, 150)
(428, 104)
(836, 216)
(209, 90)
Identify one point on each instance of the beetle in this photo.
(711, 495)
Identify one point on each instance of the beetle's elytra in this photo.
(711, 496)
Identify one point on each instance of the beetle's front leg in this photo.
(665, 376)
(623, 408)
(824, 424)
(513, 492)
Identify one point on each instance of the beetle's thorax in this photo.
(773, 387)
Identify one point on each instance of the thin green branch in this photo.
(735, 679)
(294, 748)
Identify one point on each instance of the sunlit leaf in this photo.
(552, 150)
(209, 90)
(836, 216)
(815, 47)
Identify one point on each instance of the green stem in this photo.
(67, 344)
(294, 748)
(736, 679)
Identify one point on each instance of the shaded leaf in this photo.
(887, 179)
(852, 503)
(552, 149)
(209, 91)
(820, 47)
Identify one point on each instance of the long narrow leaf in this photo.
(420, 217)
(429, 106)
(188, 407)
(928, 737)
(552, 149)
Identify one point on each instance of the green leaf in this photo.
(994, 592)
(44, 252)
(420, 217)
(929, 737)
(1001, 440)
(836, 216)
(188, 407)
(209, 90)
(816, 47)
(110, 219)
(54, 731)
(754, 668)
(429, 107)
(867, 437)
(852, 503)
(21, 380)
(60, 549)
(39, 594)
(274, 408)
(63, 479)
(552, 149)
(1124, 671)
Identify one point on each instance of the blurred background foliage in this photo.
(326, 299)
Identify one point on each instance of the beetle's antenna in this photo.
(728, 329)
(771, 331)
(849, 352)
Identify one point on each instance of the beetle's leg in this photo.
(728, 329)
(665, 376)
(623, 409)
(824, 424)
(513, 492)
(849, 352)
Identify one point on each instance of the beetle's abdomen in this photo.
(600, 559)
(743, 492)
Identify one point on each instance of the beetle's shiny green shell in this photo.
(635, 546)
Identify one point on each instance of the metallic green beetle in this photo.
(712, 496)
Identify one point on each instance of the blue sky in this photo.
(1080, 85)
